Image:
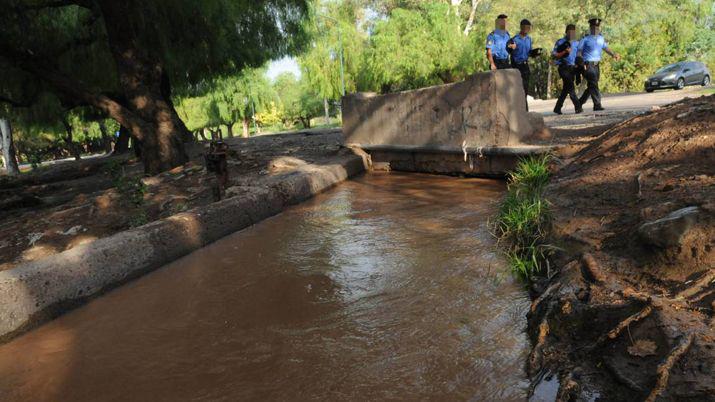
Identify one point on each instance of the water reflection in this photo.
(386, 287)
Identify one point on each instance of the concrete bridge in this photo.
(479, 126)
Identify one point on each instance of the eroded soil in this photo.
(626, 319)
(65, 205)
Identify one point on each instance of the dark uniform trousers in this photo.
(592, 75)
(502, 64)
(567, 75)
(525, 75)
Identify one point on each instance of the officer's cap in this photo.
(502, 16)
(570, 27)
(594, 22)
(525, 22)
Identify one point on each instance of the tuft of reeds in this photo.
(524, 218)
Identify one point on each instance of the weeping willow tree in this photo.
(125, 57)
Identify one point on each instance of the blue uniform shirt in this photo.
(523, 47)
(591, 47)
(496, 41)
(569, 60)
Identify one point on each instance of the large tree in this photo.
(124, 57)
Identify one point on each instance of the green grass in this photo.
(525, 218)
(708, 91)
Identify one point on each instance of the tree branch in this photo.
(472, 14)
(20, 103)
(72, 90)
(58, 4)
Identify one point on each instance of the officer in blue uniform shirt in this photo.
(565, 51)
(591, 48)
(497, 45)
(521, 53)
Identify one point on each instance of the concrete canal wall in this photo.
(38, 291)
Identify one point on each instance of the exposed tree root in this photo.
(613, 334)
(702, 296)
(592, 269)
(699, 285)
(535, 304)
(664, 368)
(536, 357)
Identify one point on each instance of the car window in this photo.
(669, 69)
(694, 65)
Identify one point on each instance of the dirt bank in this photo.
(629, 315)
(60, 207)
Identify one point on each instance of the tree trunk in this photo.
(215, 134)
(229, 130)
(8, 148)
(138, 148)
(202, 133)
(143, 110)
(71, 146)
(327, 111)
(122, 144)
(245, 124)
(145, 85)
(472, 14)
(106, 138)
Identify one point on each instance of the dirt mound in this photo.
(630, 315)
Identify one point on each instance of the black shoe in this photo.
(579, 110)
(598, 108)
(557, 111)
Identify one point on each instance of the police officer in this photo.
(565, 51)
(497, 45)
(520, 54)
(590, 48)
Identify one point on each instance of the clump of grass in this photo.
(524, 217)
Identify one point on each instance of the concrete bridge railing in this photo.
(481, 121)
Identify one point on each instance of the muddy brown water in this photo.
(386, 287)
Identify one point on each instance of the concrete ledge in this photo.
(468, 161)
(522, 150)
(36, 292)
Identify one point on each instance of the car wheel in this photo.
(706, 81)
(649, 90)
(680, 84)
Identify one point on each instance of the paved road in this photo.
(618, 107)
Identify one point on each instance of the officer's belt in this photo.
(591, 63)
(518, 63)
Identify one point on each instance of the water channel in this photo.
(385, 287)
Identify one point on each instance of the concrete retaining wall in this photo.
(38, 291)
(486, 110)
